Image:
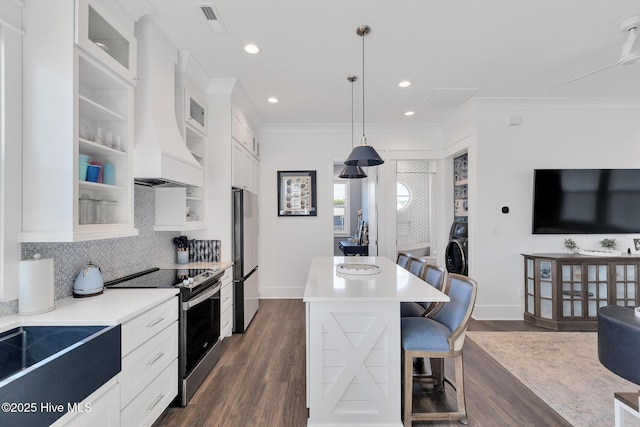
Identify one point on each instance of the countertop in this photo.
(223, 265)
(392, 283)
(114, 306)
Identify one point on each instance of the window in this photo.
(403, 196)
(341, 207)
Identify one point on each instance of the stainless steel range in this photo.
(199, 319)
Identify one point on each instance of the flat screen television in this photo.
(586, 201)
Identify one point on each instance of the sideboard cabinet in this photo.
(565, 291)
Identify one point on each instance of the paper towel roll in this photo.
(36, 289)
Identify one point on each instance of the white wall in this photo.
(287, 244)
(553, 134)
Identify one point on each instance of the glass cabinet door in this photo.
(530, 301)
(545, 271)
(597, 288)
(108, 40)
(572, 291)
(626, 284)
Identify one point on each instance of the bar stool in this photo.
(439, 338)
(435, 276)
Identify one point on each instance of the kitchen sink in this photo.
(45, 370)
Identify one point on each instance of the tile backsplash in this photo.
(115, 257)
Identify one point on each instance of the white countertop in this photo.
(392, 283)
(114, 306)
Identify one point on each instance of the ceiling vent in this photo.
(213, 18)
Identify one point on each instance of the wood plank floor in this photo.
(260, 380)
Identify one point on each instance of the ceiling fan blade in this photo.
(585, 75)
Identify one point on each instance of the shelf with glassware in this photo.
(83, 111)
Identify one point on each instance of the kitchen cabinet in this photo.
(171, 209)
(149, 376)
(105, 38)
(195, 112)
(242, 132)
(79, 107)
(565, 291)
(226, 304)
(100, 409)
(245, 169)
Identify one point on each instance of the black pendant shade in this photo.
(352, 172)
(364, 155)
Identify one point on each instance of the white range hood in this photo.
(160, 153)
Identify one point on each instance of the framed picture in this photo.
(635, 248)
(297, 193)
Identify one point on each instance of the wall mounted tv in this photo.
(586, 201)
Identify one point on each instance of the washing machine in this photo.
(456, 253)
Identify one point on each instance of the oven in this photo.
(198, 324)
(200, 339)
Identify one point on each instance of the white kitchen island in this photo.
(353, 340)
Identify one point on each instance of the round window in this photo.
(403, 196)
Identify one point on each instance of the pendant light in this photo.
(363, 155)
(351, 171)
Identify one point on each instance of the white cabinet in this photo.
(149, 376)
(78, 107)
(195, 111)
(172, 204)
(245, 169)
(104, 37)
(242, 131)
(100, 409)
(226, 304)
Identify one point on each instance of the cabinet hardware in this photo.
(155, 359)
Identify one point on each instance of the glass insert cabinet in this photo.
(565, 291)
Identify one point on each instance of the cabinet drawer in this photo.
(138, 330)
(226, 322)
(154, 399)
(146, 362)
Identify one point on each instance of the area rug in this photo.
(562, 368)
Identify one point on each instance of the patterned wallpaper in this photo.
(413, 223)
(115, 257)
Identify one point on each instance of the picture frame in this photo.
(635, 247)
(297, 193)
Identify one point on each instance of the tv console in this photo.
(564, 291)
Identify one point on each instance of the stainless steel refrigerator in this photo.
(245, 258)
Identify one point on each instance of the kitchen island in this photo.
(353, 339)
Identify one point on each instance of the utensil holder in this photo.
(183, 257)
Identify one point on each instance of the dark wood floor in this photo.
(260, 380)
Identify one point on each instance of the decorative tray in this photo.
(357, 269)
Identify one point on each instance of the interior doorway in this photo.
(415, 222)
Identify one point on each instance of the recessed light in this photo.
(404, 83)
(409, 113)
(252, 49)
(272, 100)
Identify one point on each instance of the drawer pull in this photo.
(151, 325)
(155, 359)
(155, 403)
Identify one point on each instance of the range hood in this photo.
(161, 155)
